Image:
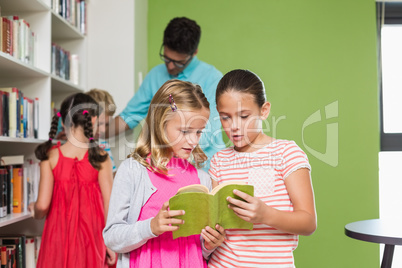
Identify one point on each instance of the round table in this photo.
(388, 232)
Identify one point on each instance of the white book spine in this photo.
(74, 69)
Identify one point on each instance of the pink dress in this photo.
(164, 251)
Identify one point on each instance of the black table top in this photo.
(383, 231)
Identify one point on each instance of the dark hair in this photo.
(243, 81)
(76, 110)
(182, 35)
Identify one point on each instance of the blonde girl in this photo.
(167, 157)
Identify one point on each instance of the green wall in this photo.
(312, 56)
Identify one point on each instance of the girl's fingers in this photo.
(236, 202)
(246, 197)
(173, 213)
(208, 237)
(174, 221)
(165, 206)
(170, 228)
(211, 232)
(242, 213)
(220, 229)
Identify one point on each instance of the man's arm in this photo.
(118, 126)
(137, 108)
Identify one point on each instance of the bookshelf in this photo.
(37, 81)
(13, 218)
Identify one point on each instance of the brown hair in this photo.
(152, 139)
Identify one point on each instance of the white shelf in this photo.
(13, 218)
(38, 81)
(12, 67)
(23, 5)
(62, 29)
(20, 140)
(60, 85)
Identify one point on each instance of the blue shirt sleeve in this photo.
(137, 107)
(211, 140)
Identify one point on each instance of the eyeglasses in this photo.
(178, 64)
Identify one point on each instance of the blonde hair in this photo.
(152, 139)
(104, 99)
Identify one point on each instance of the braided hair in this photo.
(76, 110)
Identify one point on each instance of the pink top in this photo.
(164, 251)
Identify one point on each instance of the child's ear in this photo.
(265, 109)
(93, 120)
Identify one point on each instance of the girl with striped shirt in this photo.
(283, 204)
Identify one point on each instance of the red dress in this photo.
(72, 236)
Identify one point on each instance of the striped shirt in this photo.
(266, 169)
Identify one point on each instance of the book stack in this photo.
(19, 184)
(64, 64)
(17, 39)
(60, 62)
(19, 251)
(73, 11)
(19, 115)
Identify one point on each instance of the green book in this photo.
(204, 208)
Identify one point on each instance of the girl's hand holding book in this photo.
(213, 238)
(251, 210)
(164, 219)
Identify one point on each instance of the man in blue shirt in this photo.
(178, 51)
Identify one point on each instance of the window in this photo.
(389, 22)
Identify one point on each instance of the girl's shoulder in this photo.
(131, 172)
(131, 167)
(53, 156)
(283, 145)
(225, 152)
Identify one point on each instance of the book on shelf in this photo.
(19, 251)
(36, 117)
(3, 193)
(19, 114)
(12, 110)
(17, 39)
(74, 69)
(204, 208)
(73, 11)
(61, 63)
(1, 112)
(18, 190)
(21, 179)
(15, 243)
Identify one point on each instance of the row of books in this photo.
(17, 39)
(19, 115)
(19, 184)
(19, 251)
(73, 11)
(64, 64)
